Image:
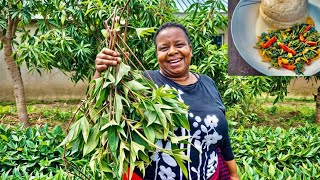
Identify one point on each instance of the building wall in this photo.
(52, 85)
(49, 86)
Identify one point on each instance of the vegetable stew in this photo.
(291, 48)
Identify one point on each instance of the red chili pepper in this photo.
(301, 38)
(307, 28)
(289, 66)
(269, 42)
(309, 62)
(311, 43)
(286, 48)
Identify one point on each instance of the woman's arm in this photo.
(232, 167)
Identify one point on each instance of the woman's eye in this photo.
(163, 48)
(180, 45)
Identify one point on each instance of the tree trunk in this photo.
(15, 73)
(317, 97)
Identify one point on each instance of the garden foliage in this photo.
(266, 153)
(261, 153)
(32, 153)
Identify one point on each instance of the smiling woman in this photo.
(209, 150)
(174, 53)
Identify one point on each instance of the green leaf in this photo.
(20, 5)
(184, 121)
(29, 133)
(123, 70)
(113, 139)
(73, 133)
(150, 134)
(30, 144)
(107, 75)
(15, 138)
(151, 117)
(178, 151)
(105, 167)
(57, 130)
(141, 166)
(144, 157)
(101, 97)
(142, 32)
(94, 115)
(138, 139)
(271, 170)
(177, 139)
(93, 163)
(4, 137)
(85, 128)
(105, 33)
(122, 157)
(168, 116)
(135, 148)
(247, 168)
(118, 107)
(312, 152)
(110, 123)
(180, 162)
(63, 18)
(93, 140)
(135, 85)
(75, 146)
(106, 84)
(161, 115)
(97, 85)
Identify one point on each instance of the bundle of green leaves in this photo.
(120, 122)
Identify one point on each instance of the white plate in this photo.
(246, 25)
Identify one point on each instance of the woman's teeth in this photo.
(175, 61)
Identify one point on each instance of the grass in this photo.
(292, 112)
(41, 112)
(68, 101)
(289, 113)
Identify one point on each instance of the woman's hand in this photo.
(105, 58)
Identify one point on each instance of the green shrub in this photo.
(272, 110)
(7, 110)
(33, 153)
(261, 153)
(265, 153)
(56, 114)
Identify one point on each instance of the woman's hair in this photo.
(171, 25)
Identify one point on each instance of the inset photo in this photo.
(274, 37)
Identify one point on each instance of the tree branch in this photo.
(15, 25)
(9, 28)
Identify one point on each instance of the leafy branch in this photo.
(125, 114)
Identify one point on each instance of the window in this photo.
(218, 40)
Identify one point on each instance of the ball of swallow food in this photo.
(282, 14)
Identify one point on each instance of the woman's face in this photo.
(173, 52)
